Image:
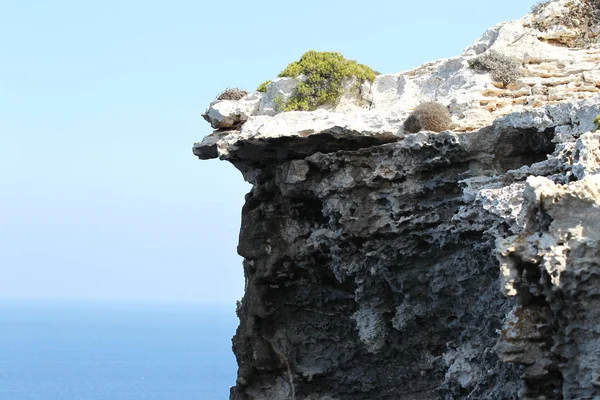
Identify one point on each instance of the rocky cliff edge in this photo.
(382, 264)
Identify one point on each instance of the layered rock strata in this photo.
(455, 265)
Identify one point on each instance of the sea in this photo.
(62, 350)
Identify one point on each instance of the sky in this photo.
(100, 102)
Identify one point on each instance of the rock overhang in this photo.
(388, 241)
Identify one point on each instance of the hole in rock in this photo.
(309, 209)
(518, 147)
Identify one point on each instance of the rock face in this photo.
(457, 265)
(552, 267)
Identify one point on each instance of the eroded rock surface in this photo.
(553, 267)
(459, 265)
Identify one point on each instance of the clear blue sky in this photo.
(100, 102)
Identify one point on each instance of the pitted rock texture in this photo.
(454, 265)
(371, 264)
(553, 267)
(361, 286)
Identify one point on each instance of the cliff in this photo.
(382, 264)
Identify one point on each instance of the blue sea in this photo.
(95, 351)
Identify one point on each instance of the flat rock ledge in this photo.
(298, 134)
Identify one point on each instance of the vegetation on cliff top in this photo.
(263, 86)
(322, 77)
(502, 69)
(232, 94)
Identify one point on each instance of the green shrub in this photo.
(429, 116)
(597, 121)
(279, 102)
(232, 94)
(502, 69)
(324, 73)
(263, 86)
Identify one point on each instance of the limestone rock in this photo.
(228, 114)
(552, 266)
(454, 265)
(278, 92)
(301, 133)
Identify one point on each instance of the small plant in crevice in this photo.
(263, 86)
(323, 74)
(429, 116)
(232, 94)
(279, 102)
(502, 69)
(597, 121)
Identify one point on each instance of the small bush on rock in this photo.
(232, 94)
(597, 121)
(279, 102)
(323, 75)
(263, 86)
(429, 116)
(502, 69)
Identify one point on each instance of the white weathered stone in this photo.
(278, 92)
(382, 127)
(592, 77)
(227, 114)
(305, 124)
